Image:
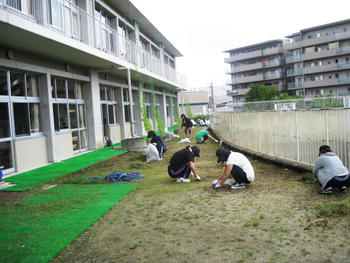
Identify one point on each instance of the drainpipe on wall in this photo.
(182, 100)
(130, 102)
(132, 122)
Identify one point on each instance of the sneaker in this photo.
(183, 180)
(198, 178)
(342, 189)
(328, 190)
(214, 182)
(217, 186)
(228, 182)
(238, 186)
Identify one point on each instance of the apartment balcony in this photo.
(272, 51)
(343, 50)
(248, 79)
(344, 80)
(320, 55)
(249, 67)
(320, 83)
(272, 76)
(325, 39)
(318, 69)
(292, 45)
(244, 56)
(293, 59)
(70, 34)
(273, 63)
(294, 72)
(237, 92)
(291, 86)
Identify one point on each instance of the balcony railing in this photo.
(292, 72)
(344, 80)
(292, 59)
(76, 23)
(295, 85)
(272, 75)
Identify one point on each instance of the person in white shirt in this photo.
(238, 166)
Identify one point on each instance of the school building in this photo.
(74, 71)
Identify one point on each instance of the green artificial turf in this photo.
(39, 227)
(50, 172)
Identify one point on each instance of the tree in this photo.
(260, 92)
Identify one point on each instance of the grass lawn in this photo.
(40, 226)
(278, 218)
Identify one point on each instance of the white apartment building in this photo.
(74, 71)
(261, 63)
(319, 60)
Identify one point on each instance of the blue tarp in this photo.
(122, 176)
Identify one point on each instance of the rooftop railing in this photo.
(74, 22)
(294, 104)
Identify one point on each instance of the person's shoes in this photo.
(228, 182)
(183, 180)
(238, 186)
(198, 178)
(328, 190)
(342, 189)
(214, 182)
(217, 186)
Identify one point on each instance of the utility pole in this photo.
(212, 96)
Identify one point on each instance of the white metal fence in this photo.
(295, 104)
(293, 136)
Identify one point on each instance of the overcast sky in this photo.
(202, 29)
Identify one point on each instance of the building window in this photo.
(69, 109)
(127, 112)
(14, 4)
(56, 13)
(108, 96)
(336, 75)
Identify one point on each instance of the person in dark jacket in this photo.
(181, 164)
(158, 142)
(187, 124)
(330, 171)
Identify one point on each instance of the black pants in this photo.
(339, 181)
(239, 175)
(179, 172)
(205, 137)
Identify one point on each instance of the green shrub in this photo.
(146, 121)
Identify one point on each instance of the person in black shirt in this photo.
(158, 141)
(182, 163)
(187, 124)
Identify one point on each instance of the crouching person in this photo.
(182, 164)
(158, 142)
(237, 166)
(203, 135)
(330, 171)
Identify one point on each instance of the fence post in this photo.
(326, 124)
(297, 136)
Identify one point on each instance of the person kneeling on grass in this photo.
(181, 164)
(238, 166)
(330, 171)
(203, 135)
(158, 141)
